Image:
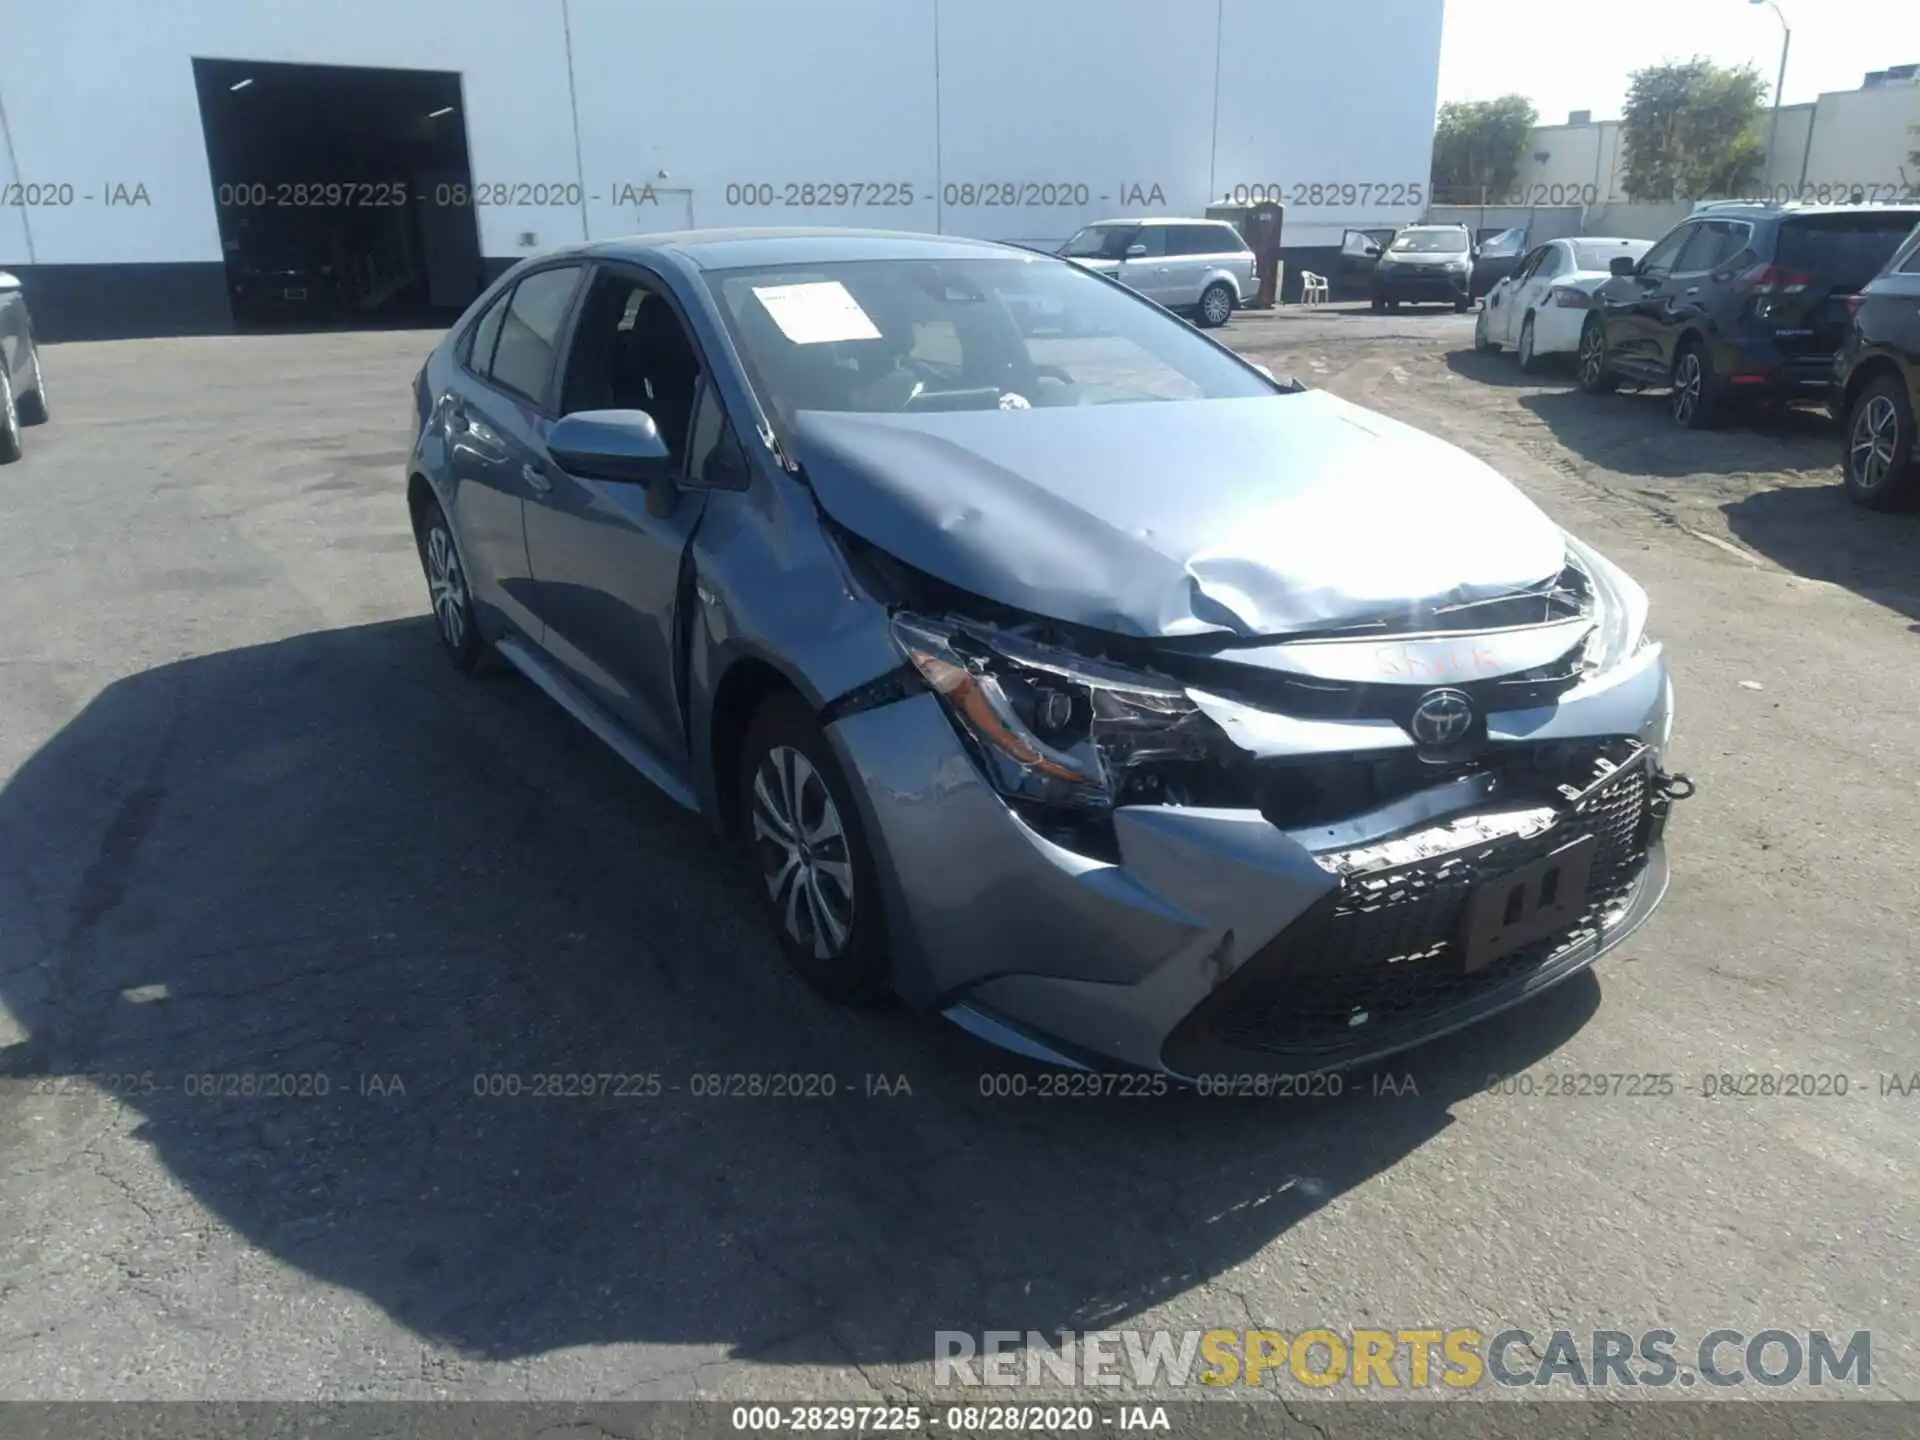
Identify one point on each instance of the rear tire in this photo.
(1216, 305)
(1379, 305)
(1695, 403)
(1879, 455)
(452, 595)
(818, 884)
(1529, 362)
(10, 448)
(1460, 307)
(32, 403)
(1590, 365)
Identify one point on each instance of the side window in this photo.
(1202, 240)
(1552, 263)
(530, 333)
(631, 352)
(1910, 265)
(1154, 237)
(480, 343)
(1659, 262)
(1529, 267)
(1711, 243)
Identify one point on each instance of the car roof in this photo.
(1412, 229)
(796, 245)
(1599, 240)
(1786, 210)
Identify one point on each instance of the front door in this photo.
(606, 554)
(1148, 273)
(1631, 305)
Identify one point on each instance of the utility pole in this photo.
(1786, 44)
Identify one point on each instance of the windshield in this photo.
(913, 336)
(1100, 242)
(1431, 242)
(1600, 257)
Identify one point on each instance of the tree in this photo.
(1691, 130)
(1478, 144)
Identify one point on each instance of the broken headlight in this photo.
(1048, 725)
(1619, 610)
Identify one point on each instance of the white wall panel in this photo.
(100, 92)
(1340, 94)
(932, 94)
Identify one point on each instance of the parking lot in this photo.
(252, 824)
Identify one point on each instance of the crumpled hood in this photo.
(1248, 517)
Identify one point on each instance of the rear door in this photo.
(1685, 301)
(1820, 263)
(500, 394)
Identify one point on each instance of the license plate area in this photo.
(1528, 904)
(295, 294)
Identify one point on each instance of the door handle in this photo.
(537, 478)
(1693, 290)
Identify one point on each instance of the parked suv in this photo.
(1197, 266)
(1877, 385)
(1426, 262)
(1738, 301)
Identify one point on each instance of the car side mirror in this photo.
(618, 445)
(1623, 266)
(1373, 252)
(1134, 252)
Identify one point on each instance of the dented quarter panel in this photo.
(1245, 517)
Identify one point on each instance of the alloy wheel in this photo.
(1875, 439)
(1217, 305)
(1593, 355)
(803, 851)
(1687, 383)
(448, 586)
(1526, 344)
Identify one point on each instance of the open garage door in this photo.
(334, 188)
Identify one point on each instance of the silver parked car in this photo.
(1096, 690)
(23, 389)
(1197, 267)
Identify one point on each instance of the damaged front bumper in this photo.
(1197, 938)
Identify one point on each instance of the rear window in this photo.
(1845, 251)
(1431, 242)
(1599, 257)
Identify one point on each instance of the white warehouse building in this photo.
(158, 159)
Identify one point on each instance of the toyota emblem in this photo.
(1442, 717)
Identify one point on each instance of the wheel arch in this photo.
(746, 684)
(1864, 374)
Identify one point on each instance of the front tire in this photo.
(1216, 305)
(1590, 365)
(450, 592)
(1879, 461)
(1379, 305)
(1481, 344)
(818, 883)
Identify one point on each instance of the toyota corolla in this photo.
(1099, 691)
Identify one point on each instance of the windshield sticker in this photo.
(816, 312)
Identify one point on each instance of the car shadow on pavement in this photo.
(413, 985)
(1634, 434)
(1502, 368)
(1816, 531)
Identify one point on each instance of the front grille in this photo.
(1381, 957)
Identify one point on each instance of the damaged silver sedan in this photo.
(1081, 682)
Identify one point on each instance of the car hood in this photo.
(1249, 517)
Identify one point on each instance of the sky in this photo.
(1568, 55)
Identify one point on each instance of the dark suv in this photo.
(1738, 301)
(1877, 385)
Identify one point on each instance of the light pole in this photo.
(1786, 44)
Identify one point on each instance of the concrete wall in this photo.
(1846, 139)
(691, 96)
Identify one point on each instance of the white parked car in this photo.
(1540, 308)
(1201, 266)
